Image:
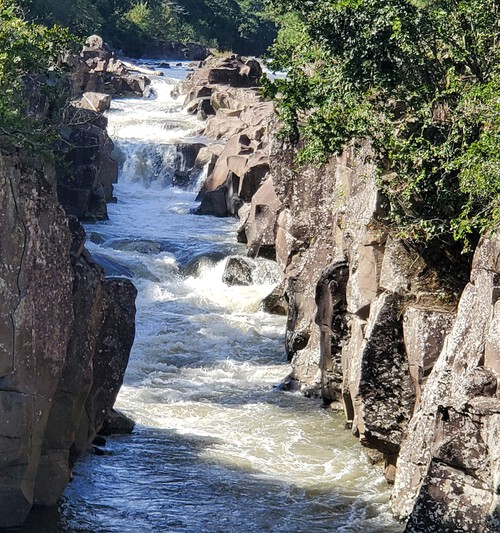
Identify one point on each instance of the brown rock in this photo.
(259, 227)
(96, 101)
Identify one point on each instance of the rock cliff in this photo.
(88, 171)
(373, 322)
(65, 336)
(223, 90)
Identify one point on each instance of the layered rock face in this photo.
(65, 336)
(97, 70)
(449, 466)
(85, 181)
(223, 90)
(373, 326)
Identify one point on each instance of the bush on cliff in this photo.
(30, 74)
(421, 78)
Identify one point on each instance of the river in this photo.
(217, 447)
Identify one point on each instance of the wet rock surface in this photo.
(238, 271)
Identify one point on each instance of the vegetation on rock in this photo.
(421, 79)
(31, 70)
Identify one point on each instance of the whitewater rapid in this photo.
(217, 447)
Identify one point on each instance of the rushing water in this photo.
(217, 448)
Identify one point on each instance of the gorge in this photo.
(392, 345)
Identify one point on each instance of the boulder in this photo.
(117, 423)
(259, 226)
(95, 47)
(275, 303)
(96, 101)
(238, 271)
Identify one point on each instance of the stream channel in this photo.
(217, 448)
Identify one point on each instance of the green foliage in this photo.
(82, 17)
(418, 77)
(29, 66)
(237, 25)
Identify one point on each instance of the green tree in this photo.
(417, 77)
(29, 60)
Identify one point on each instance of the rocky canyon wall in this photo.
(373, 322)
(65, 337)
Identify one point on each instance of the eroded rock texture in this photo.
(449, 469)
(223, 90)
(85, 179)
(65, 336)
(97, 70)
(373, 326)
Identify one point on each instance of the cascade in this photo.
(217, 447)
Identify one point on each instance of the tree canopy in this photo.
(421, 79)
(237, 25)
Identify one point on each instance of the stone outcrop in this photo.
(224, 90)
(367, 321)
(85, 182)
(373, 326)
(87, 171)
(449, 467)
(97, 70)
(65, 336)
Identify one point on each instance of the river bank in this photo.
(217, 447)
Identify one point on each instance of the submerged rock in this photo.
(117, 423)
